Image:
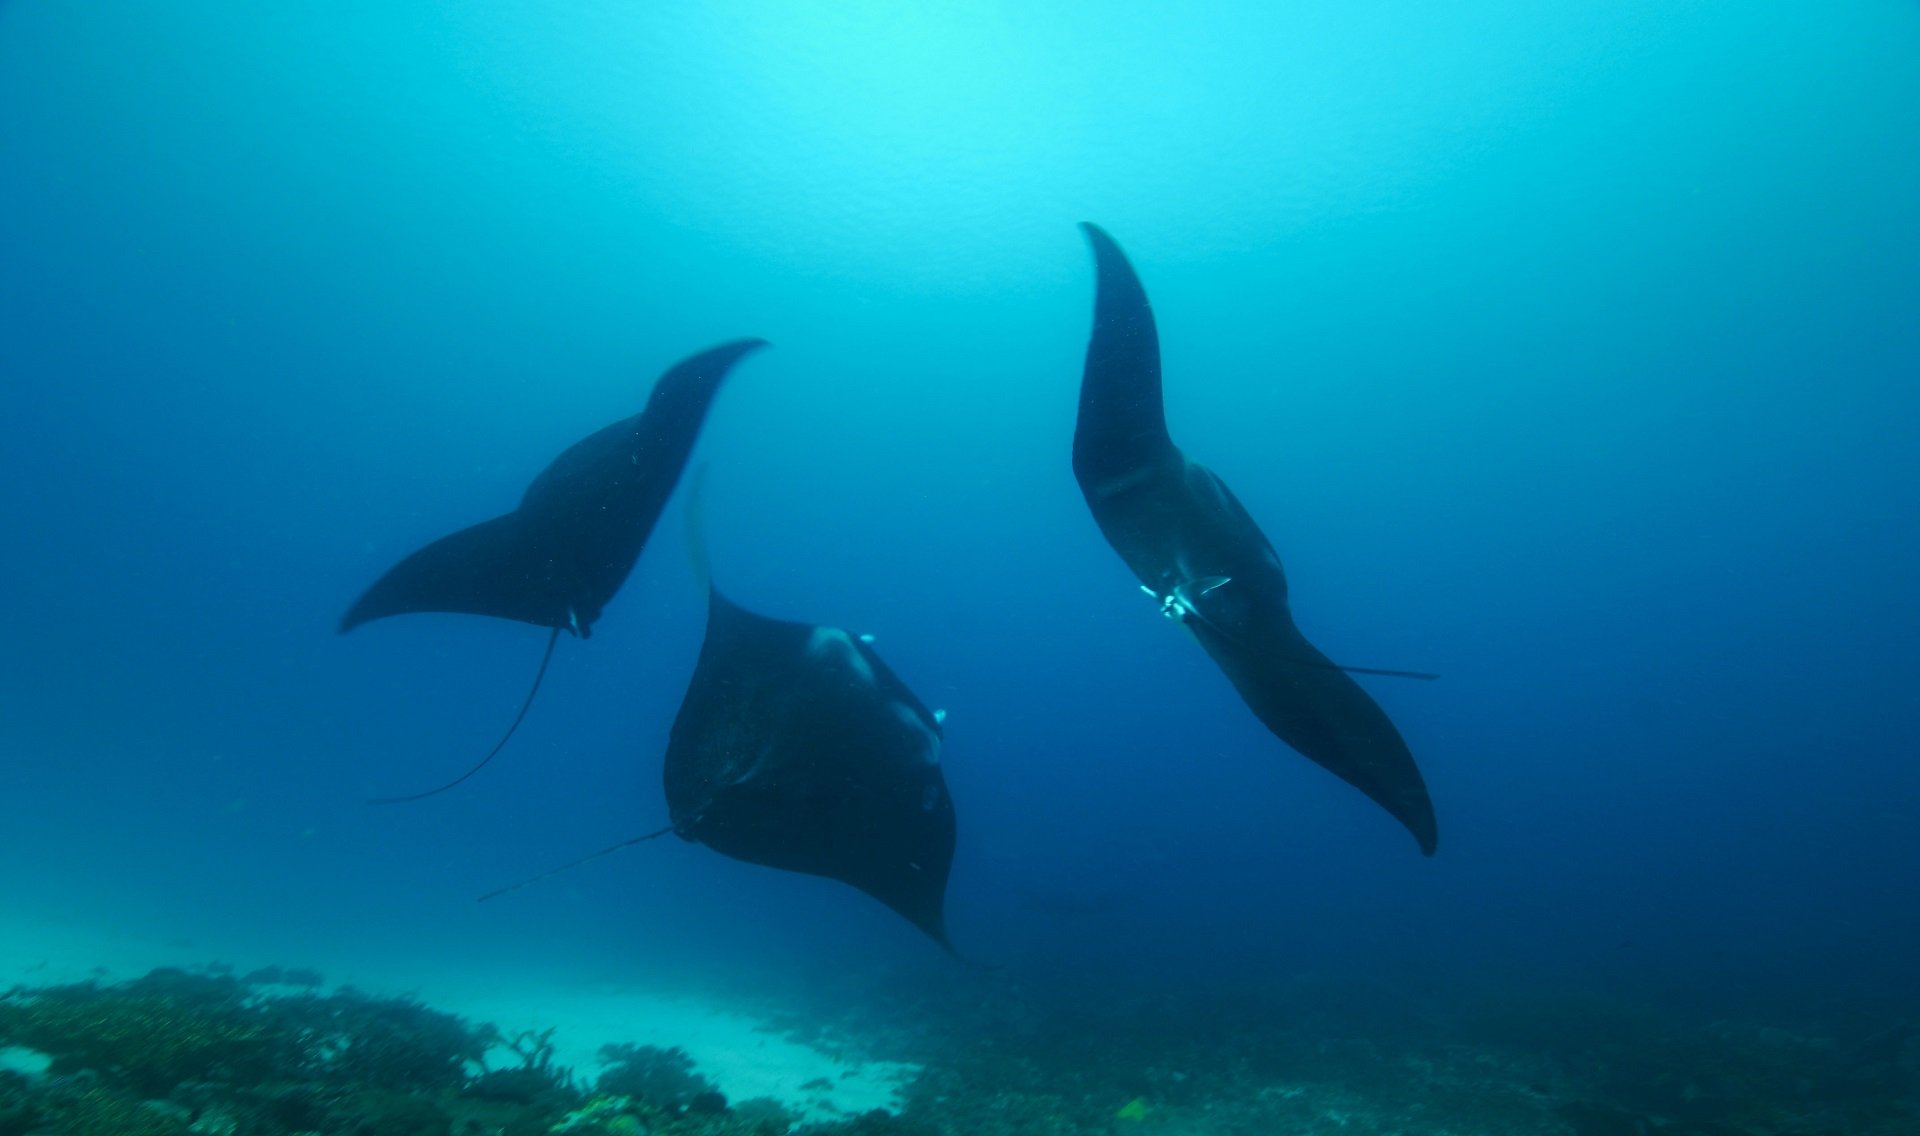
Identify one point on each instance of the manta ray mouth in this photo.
(1181, 604)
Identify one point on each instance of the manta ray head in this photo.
(1181, 602)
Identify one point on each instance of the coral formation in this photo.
(206, 1054)
(178, 1053)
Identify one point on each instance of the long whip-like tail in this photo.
(567, 867)
(526, 705)
(696, 520)
(1422, 675)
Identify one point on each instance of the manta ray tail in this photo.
(572, 864)
(697, 528)
(1184, 605)
(525, 705)
(1425, 676)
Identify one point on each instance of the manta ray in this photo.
(557, 560)
(797, 747)
(1202, 558)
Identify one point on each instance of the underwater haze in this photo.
(1567, 350)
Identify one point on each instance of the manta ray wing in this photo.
(488, 569)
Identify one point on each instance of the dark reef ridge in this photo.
(273, 1053)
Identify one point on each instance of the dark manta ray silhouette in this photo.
(559, 558)
(1197, 551)
(797, 747)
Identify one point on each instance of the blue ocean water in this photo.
(1567, 350)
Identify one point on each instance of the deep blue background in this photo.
(1572, 354)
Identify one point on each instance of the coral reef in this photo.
(1093, 1054)
(663, 1078)
(179, 1053)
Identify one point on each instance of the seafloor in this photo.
(276, 1052)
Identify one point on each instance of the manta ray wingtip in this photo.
(1421, 824)
(703, 371)
(1098, 237)
(354, 617)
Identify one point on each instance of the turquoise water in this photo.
(1566, 350)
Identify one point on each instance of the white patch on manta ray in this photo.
(831, 642)
(930, 750)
